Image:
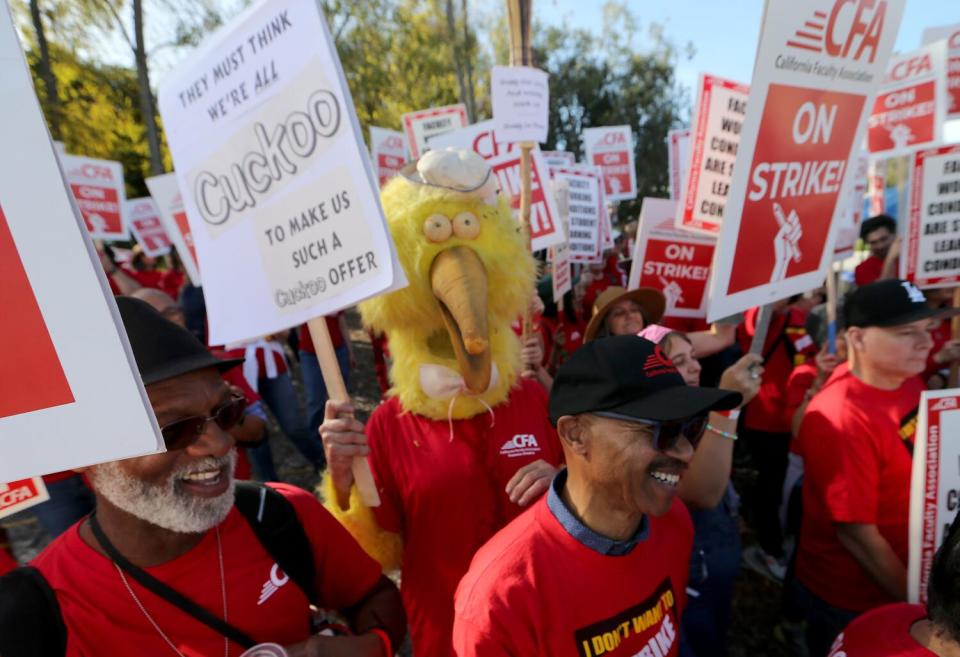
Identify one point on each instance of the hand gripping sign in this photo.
(952, 35)
(911, 107)
(165, 191)
(65, 364)
(283, 206)
(423, 125)
(147, 227)
(818, 67)
(389, 151)
(674, 261)
(611, 149)
(715, 140)
(97, 185)
(933, 232)
(934, 484)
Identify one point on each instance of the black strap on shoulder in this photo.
(278, 528)
(31, 624)
(172, 596)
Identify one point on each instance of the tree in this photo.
(45, 69)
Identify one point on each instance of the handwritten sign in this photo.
(521, 103)
(282, 202)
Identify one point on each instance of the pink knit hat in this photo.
(655, 333)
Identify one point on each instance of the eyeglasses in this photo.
(666, 435)
(183, 433)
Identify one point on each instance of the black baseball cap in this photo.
(630, 376)
(891, 302)
(161, 348)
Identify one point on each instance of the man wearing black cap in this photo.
(599, 564)
(856, 440)
(172, 563)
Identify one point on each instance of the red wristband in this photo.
(733, 413)
(384, 640)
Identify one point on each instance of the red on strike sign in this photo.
(611, 149)
(795, 178)
(545, 228)
(147, 227)
(389, 152)
(31, 376)
(97, 186)
(952, 34)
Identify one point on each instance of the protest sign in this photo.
(559, 158)
(165, 191)
(481, 138)
(586, 210)
(611, 149)
(282, 202)
(545, 228)
(950, 33)
(933, 235)
(674, 261)
(147, 227)
(423, 125)
(809, 101)
(877, 185)
(934, 484)
(848, 232)
(520, 96)
(559, 256)
(911, 106)
(389, 152)
(65, 364)
(678, 158)
(606, 228)
(97, 186)
(17, 496)
(715, 139)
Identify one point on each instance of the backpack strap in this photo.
(276, 524)
(31, 623)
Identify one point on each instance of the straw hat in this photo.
(651, 301)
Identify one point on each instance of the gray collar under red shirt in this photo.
(584, 534)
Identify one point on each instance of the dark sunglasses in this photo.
(666, 435)
(183, 433)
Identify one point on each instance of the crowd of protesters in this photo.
(644, 509)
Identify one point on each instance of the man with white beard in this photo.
(178, 559)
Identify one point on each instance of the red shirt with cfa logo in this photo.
(855, 441)
(883, 632)
(102, 618)
(534, 589)
(447, 497)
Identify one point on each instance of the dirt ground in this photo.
(756, 600)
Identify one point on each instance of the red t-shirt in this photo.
(148, 278)
(941, 335)
(767, 411)
(868, 271)
(333, 326)
(7, 562)
(883, 632)
(447, 497)
(536, 590)
(855, 441)
(101, 616)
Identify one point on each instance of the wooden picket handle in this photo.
(831, 311)
(955, 329)
(525, 193)
(337, 391)
(761, 329)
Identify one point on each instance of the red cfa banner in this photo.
(911, 107)
(932, 248)
(97, 186)
(23, 494)
(934, 483)
(31, 375)
(952, 34)
(147, 227)
(818, 66)
(715, 140)
(423, 125)
(389, 152)
(611, 149)
(545, 228)
(676, 262)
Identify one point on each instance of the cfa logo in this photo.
(94, 172)
(277, 579)
(945, 404)
(851, 30)
(614, 139)
(393, 141)
(9, 497)
(909, 68)
(522, 444)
